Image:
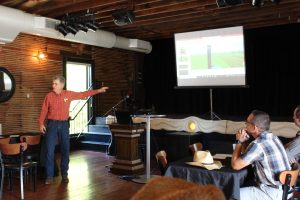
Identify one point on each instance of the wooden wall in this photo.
(33, 78)
(116, 69)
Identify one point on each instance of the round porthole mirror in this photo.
(7, 85)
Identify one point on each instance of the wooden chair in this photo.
(2, 141)
(195, 147)
(288, 179)
(31, 139)
(33, 151)
(13, 161)
(161, 159)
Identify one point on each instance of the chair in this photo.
(161, 159)
(33, 151)
(288, 179)
(196, 147)
(2, 141)
(167, 188)
(13, 161)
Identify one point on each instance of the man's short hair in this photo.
(261, 119)
(297, 111)
(60, 78)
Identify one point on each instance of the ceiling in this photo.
(162, 18)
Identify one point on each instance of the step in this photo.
(101, 120)
(99, 128)
(95, 143)
(94, 146)
(97, 137)
(96, 133)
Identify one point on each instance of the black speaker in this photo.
(258, 3)
(123, 17)
(223, 3)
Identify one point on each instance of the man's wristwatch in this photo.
(239, 142)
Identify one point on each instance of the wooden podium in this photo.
(127, 148)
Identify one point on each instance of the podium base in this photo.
(143, 179)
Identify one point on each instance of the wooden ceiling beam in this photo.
(200, 22)
(201, 17)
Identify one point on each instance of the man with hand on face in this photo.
(293, 147)
(55, 110)
(265, 153)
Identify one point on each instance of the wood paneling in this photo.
(115, 68)
(161, 19)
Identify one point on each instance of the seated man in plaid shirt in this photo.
(265, 153)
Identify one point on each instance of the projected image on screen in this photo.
(210, 58)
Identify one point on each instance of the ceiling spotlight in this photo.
(72, 29)
(92, 26)
(223, 3)
(123, 17)
(258, 3)
(62, 29)
(275, 1)
(82, 27)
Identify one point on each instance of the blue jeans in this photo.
(57, 130)
(262, 192)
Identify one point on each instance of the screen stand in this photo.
(212, 114)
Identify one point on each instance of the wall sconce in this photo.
(40, 56)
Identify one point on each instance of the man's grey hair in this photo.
(261, 119)
(60, 78)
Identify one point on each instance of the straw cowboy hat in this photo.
(204, 159)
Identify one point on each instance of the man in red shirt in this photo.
(55, 110)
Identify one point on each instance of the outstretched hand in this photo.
(103, 89)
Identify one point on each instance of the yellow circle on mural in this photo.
(191, 126)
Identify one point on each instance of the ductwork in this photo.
(13, 21)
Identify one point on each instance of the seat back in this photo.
(31, 139)
(12, 149)
(4, 140)
(161, 158)
(288, 179)
(196, 147)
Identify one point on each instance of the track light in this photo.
(72, 23)
(223, 3)
(72, 29)
(258, 3)
(92, 26)
(82, 27)
(275, 1)
(62, 29)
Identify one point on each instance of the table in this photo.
(226, 178)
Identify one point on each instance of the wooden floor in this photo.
(89, 179)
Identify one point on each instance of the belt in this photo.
(52, 120)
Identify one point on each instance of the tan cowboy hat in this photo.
(204, 159)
